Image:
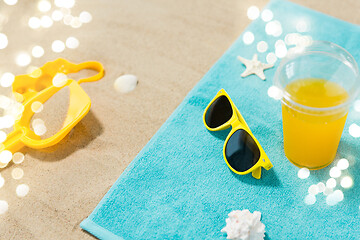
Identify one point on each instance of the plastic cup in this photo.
(319, 82)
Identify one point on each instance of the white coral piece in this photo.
(244, 225)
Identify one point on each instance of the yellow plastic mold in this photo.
(38, 87)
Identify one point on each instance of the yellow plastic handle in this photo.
(92, 65)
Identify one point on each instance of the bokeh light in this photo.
(331, 183)
(44, 6)
(67, 19)
(57, 15)
(334, 198)
(22, 190)
(75, 22)
(85, 17)
(303, 172)
(342, 164)
(310, 199)
(59, 80)
(354, 130)
(328, 191)
(35, 72)
(18, 97)
(277, 94)
(34, 22)
(262, 46)
(304, 41)
(7, 79)
(292, 38)
(40, 129)
(4, 102)
(58, 46)
(37, 107)
(7, 121)
(2, 181)
(46, 21)
(4, 207)
(253, 12)
(248, 38)
(267, 15)
(280, 49)
(357, 105)
(302, 26)
(313, 189)
(23, 59)
(10, 2)
(3, 136)
(64, 3)
(3, 41)
(5, 156)
(273, 28)
(335, 172)
(18, 158)
(37, 51)
(271, 58)
(17, 173)
(37, 121)
(321, 187)
(72, 42)
(346, 182)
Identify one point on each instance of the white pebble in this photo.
(126, 83)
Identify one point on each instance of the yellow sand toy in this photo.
(38, 87)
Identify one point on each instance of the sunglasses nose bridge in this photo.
(234, 122)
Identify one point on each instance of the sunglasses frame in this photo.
(237, 122)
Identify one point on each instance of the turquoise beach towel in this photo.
(179, 186)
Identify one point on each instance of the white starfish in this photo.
(254, 66)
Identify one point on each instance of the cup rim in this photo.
(286, 95)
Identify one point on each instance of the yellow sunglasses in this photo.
(242, 151)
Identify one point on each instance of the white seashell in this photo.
(244, 225)
(126, 83)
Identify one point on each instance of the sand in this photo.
(168, 45)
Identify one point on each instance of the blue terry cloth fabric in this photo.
(179, 187)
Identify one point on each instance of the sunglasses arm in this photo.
(256, 173)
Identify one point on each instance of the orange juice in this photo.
(312, 135)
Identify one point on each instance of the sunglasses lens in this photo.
(219, 112)
(241, 151)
